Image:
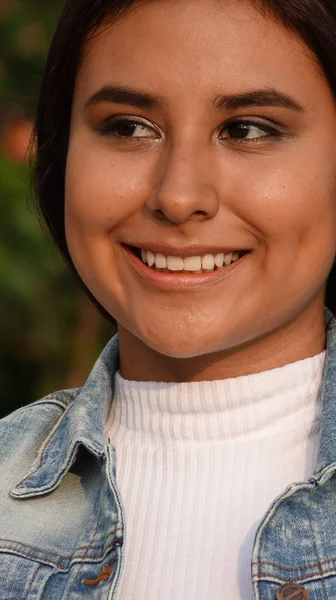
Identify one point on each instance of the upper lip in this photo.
(184, 252)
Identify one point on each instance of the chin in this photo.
(175, 346)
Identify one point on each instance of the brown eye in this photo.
(127, 128)
(245, 130)
(239, 131)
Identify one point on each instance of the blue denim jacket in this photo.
(62, 528)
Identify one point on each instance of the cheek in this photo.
(103, 188)
(293, 203)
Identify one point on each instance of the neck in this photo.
(298, 339)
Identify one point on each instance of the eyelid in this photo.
(255, 121)
(132, 119)
(272, 132)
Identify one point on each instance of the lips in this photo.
(179, 281)
(203, 262)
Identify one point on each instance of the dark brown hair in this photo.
(313, 20)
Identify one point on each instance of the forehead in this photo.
(198, 47)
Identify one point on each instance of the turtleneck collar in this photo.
(246, 406)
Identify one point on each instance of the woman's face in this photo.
(201, 128)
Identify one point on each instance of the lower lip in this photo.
(181, 281)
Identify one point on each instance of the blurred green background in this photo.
(50, 335)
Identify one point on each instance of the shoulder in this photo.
(30, 425)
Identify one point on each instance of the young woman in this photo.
(186, 167)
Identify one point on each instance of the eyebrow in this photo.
(263, 97)
(124, 95)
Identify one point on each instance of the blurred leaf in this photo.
(48, 334)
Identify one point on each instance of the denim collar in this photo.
(81, 424)
(83, 421)
(327, 450)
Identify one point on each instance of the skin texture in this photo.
(187, 181)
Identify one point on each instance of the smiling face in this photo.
(201, 128)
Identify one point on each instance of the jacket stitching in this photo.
(46, 442)
(51, 562)
(86, 554)
(293, 569)
(312, 532)
(317, 565)
(53, 431)
(296, 579)
(260, 545)
(55, 554)
(31, 584)
(50, 401)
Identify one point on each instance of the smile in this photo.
(189, 272)
(192, 264)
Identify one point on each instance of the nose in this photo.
(184, 188)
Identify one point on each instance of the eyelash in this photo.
(245, 124)
(109, 126)
(111, 123)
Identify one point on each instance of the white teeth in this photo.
(228, 259)
(160, 261)
(175, 263)
(150, 258)
(192, 263)
(208, 262)
(219, 260)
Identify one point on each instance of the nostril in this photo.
(160, 215)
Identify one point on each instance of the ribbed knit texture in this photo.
(198, 465)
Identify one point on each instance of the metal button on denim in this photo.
(292, 591)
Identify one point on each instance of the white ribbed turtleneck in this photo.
(198, 465)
